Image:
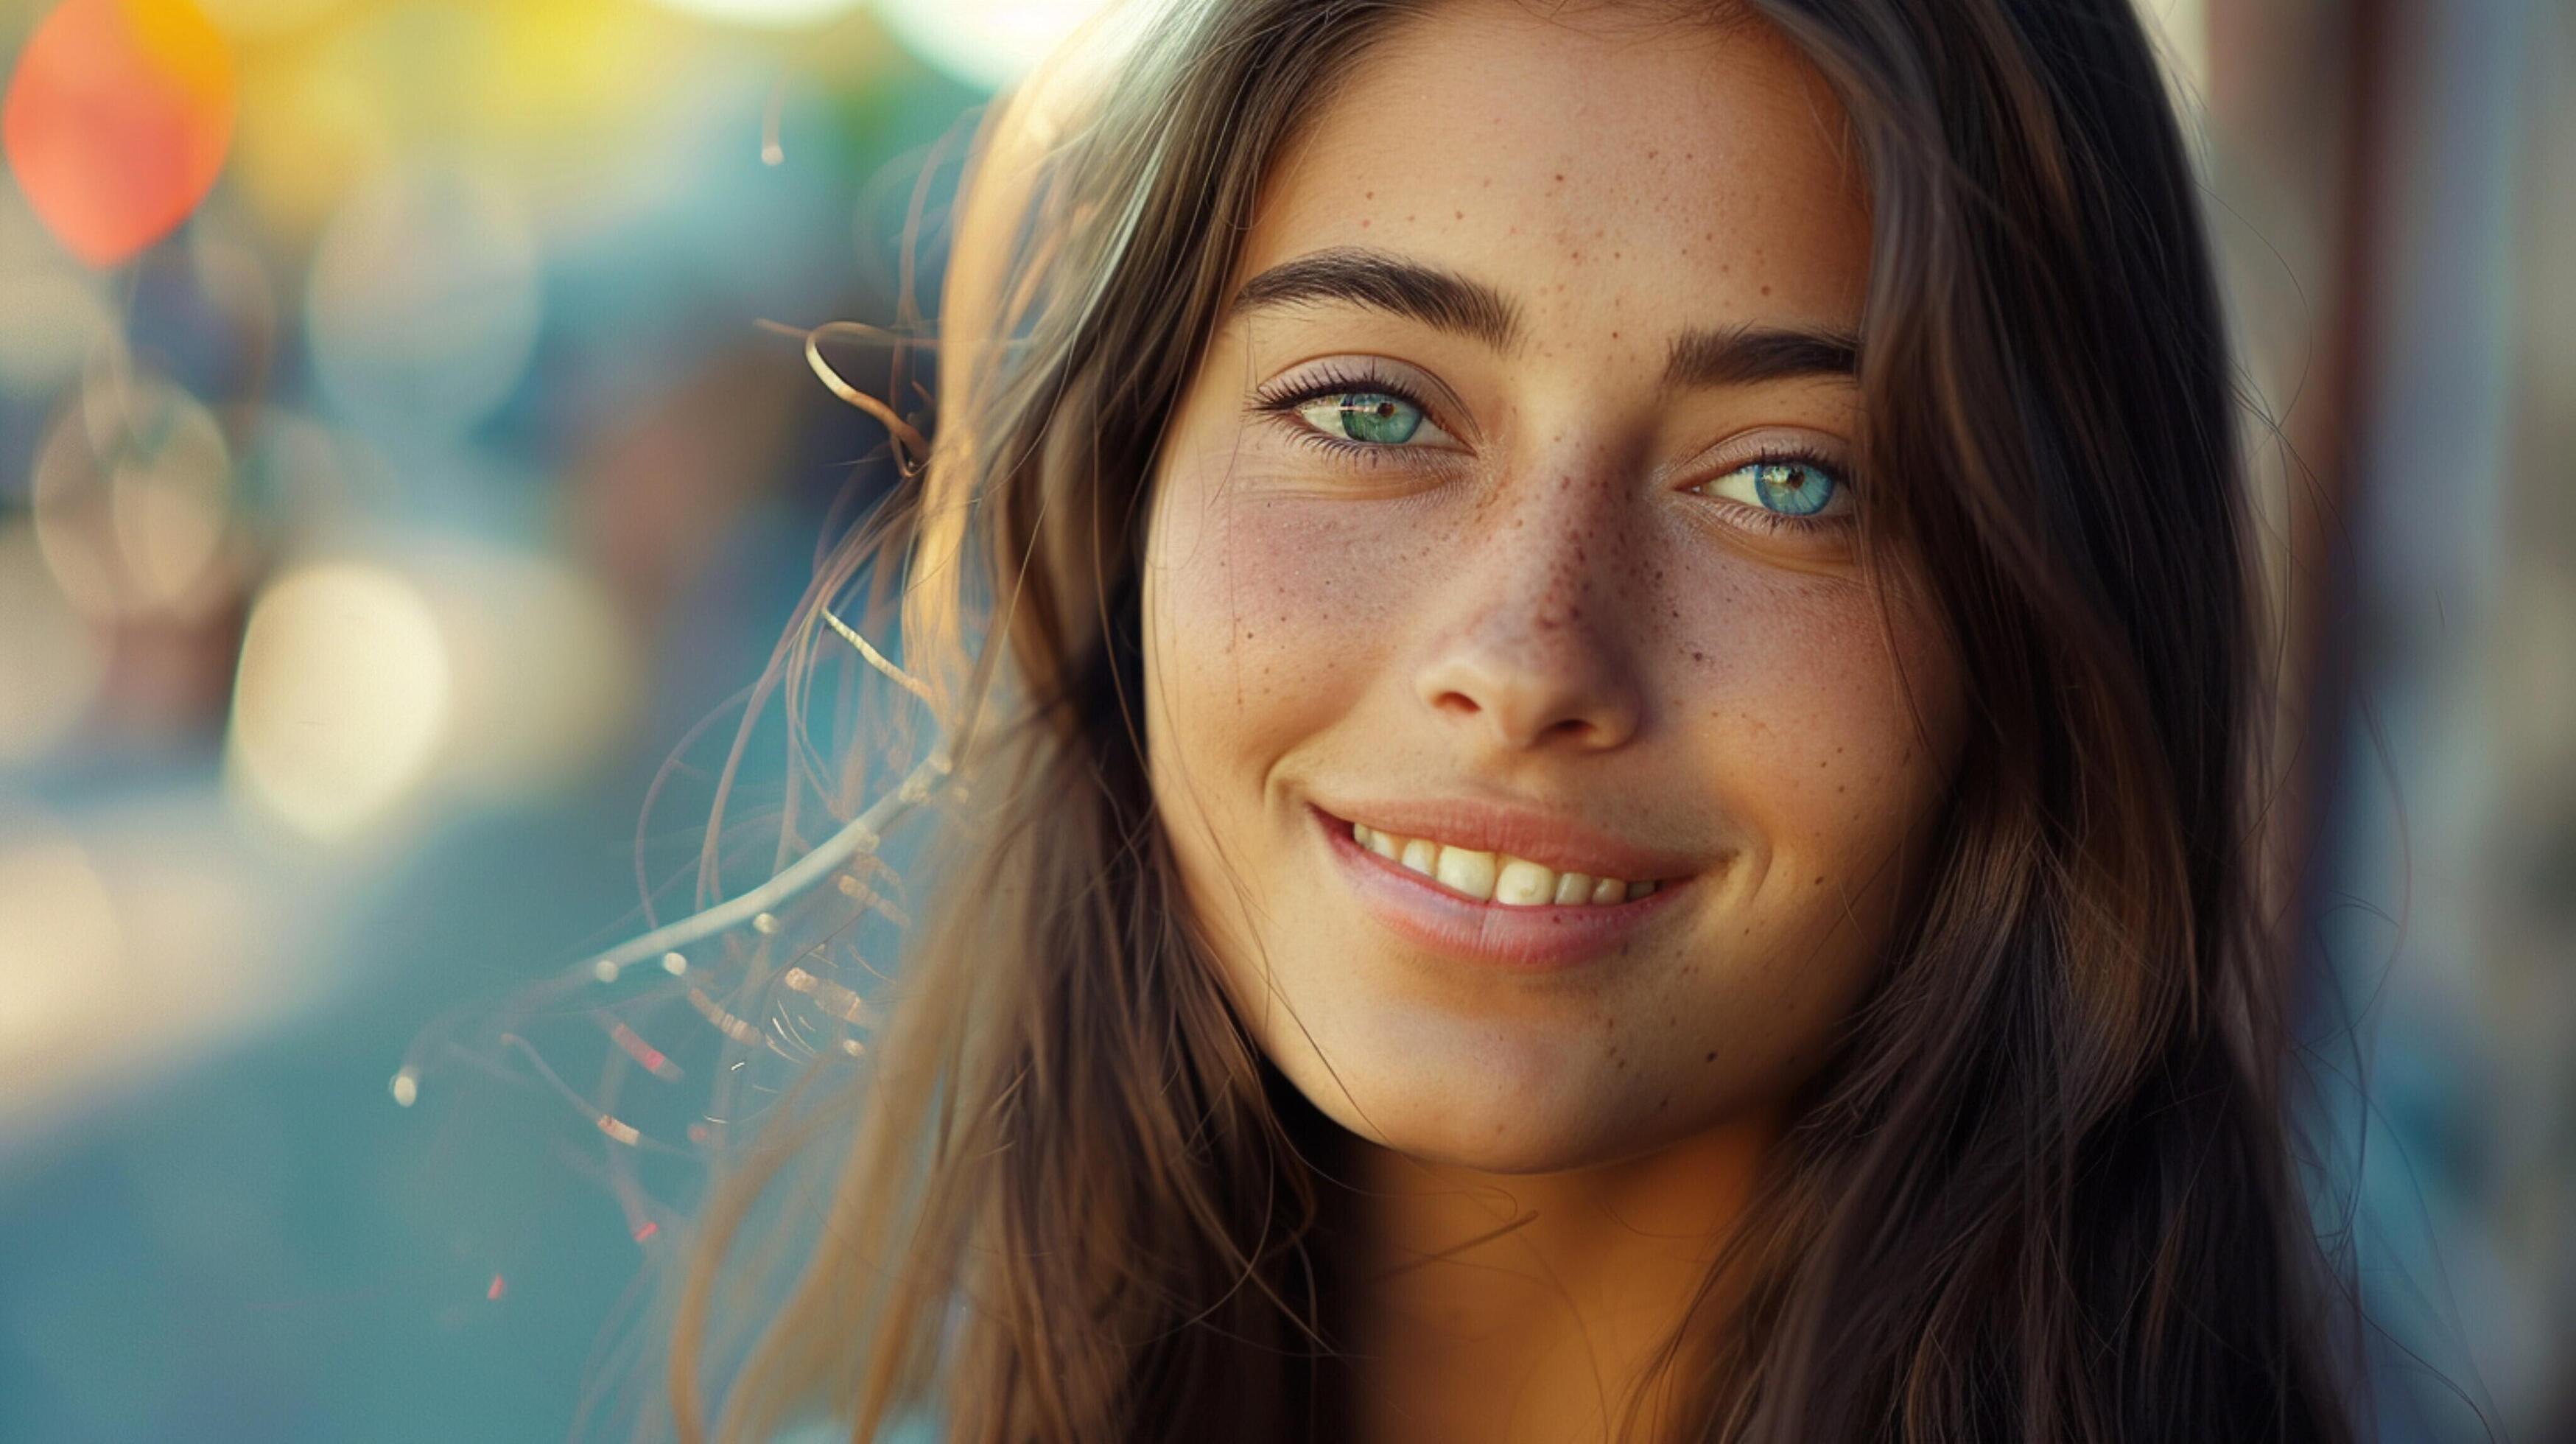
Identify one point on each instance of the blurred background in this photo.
(396, 471)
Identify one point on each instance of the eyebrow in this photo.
(1440, 299)
(1448, 301)
(1741, 355)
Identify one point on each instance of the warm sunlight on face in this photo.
(1536, 759)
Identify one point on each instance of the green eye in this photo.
(1374, 417)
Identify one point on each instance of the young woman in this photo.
(1589, 761)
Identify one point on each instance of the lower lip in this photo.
(1533, 939)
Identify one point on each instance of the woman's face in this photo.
(1537, 762)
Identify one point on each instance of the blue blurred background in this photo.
(394, 470)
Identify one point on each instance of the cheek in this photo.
(1261, 630)
(1263, 618)
(1829, 736)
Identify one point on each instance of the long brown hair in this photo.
(2041, 1190)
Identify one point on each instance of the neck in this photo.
(1512, 1307)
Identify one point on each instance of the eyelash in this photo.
(1282, 401)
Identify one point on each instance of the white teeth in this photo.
(1419, 856)
(1524, 884)
(1496, 877)
(1467, 871)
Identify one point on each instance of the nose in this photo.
(1533, 656)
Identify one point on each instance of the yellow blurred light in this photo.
(261, 19)
(62, 960)
(342, 699)
(563, 84)
(423, 304)
(988, 43)
(312, 128)
(130, 496)
(52, 659)
(764, 12)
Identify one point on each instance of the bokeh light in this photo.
(61, 951)
(312, 128)
(262, 19)
(117, 119)
(342, 699)
(132, 937)
(764, 12)
(988, 43)
(453, 669)
(543, 669)
(130, 496)
(423, 305)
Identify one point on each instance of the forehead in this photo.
(1606, 171)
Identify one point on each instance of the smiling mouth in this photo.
(1498, 877)
(1492, 906)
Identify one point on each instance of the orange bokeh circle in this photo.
(117, 121)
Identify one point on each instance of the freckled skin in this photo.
(1552, 617)
(1546, 612)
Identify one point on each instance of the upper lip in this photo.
(1550, 839)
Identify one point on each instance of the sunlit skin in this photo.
(1549, 594)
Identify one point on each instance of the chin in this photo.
(1492, 1130)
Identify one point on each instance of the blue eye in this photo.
(1784, 487)
(1375, 417)
(1793, 487)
